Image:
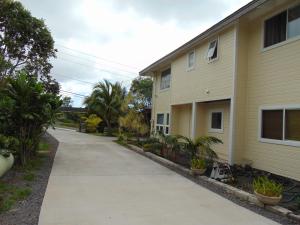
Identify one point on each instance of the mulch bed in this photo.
(243, 180)
(27, 212)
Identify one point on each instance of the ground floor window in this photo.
(280, 125)
(216, 121)
(163, 123)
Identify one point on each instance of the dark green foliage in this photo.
(25, 43)
(29, 111)
(8, 145)
(141, 89)
(106, 101)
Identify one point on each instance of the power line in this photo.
(79, 95)
(97, 68)
(82, 58)
(104, 59)
(86, 82)
(71, 78)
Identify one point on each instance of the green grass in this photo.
(66, 125)
(10, 195)
(43, 146)
(29, 176)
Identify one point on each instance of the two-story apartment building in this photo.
(238, 81)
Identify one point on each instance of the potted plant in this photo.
(6, 161)
(6, 156)
(198, 166)
(267, 191)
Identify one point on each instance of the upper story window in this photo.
(212, 52)
(280, 125)
(191, 60)
(165, 79)
(281, 27)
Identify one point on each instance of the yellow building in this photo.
(238, 81)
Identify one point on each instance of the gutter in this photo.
(215, 28)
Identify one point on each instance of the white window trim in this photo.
(212, 130)
(187, 60)
(287, 41)
(164, 125)
(218, 44)
(273, 141)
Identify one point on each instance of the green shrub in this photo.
(91, 123)
(147, 147)
(198, 163)
(265, 186)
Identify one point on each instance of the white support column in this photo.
(194, 119)
(232, 119)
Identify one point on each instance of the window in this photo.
(191, 60)
(165, 79)
(216, 121)
(280, 126)
(212, 52)
(281, 27)
(272, 124)
(163, 123)
(294, 22)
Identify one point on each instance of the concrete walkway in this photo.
(94, 181)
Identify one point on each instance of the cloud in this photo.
(132, 32)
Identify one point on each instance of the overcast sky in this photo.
(115, 39)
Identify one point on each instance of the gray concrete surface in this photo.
(94, 181)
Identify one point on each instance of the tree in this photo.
(105, 101)
(67, 102)
(26, 111)
(141, 89)
(132, 120)
(25, 44)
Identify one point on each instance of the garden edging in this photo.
(242, 195)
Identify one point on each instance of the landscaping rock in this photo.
(278, 209)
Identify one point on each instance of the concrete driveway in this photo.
(94, 181)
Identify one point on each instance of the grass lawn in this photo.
(17, 188)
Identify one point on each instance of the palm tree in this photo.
(200, 147)
(106, 100)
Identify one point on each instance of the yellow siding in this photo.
(216, 76)
(181, 119)
(273, 79)
(161, 99)
(205, 108)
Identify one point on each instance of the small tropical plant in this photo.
(200, 147)
(91, 123)
(198, 163)
(147, 147)
(267, 187)
(8, 145)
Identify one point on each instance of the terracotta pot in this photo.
(197, 172)
(268, 200)
(6, 163)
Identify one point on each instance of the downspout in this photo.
(233, 98)
(153, 103)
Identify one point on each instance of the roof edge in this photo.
(226, 21)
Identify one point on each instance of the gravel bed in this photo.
(27, 212)
(222, 192)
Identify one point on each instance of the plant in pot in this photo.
(267, 191)
(7, 145)
(198, 166)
